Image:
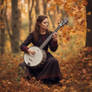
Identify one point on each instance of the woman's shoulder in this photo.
(31, 33)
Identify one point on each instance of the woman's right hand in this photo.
(31, 52)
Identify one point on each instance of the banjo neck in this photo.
(40, 56)
(50, 36)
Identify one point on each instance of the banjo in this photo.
(39, 57)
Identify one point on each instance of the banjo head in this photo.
(34, 60)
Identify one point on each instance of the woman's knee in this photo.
(53, 60)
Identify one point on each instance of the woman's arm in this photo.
(24, 45)
(53, 45)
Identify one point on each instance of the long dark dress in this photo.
(50, 70)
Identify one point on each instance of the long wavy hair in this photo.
(36, 32)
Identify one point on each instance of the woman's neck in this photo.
(42, 32)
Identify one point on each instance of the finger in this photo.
(55, 33)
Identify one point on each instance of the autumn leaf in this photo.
(51, 8)
(84, 71)
(89, 13)
(84, 2)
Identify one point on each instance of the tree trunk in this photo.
(2, 40)
(15, 26)
(89, 24)
(30, 16)
(52, 19)
(2, 28)
(37, 8)
(44, 6)
(58, 10)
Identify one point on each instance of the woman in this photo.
(50, 71)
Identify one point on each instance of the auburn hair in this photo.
(36, 31)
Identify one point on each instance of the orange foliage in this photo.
(76, 72)
(59, 2)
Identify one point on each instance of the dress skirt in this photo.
(49, 70)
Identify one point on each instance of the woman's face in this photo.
(44, 24)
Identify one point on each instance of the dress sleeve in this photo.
(53, 45)
(24, 45)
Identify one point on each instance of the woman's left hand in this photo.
(54, 36)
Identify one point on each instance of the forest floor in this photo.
(77, 75)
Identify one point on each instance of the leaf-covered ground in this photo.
(77, 75)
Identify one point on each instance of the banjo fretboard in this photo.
(50, 36)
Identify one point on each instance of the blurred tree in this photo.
(6, 21)
(2, 27)
(15, 26)
(37, 11)
(30, 12)
(52, 18)
(49, 13)
(44, 6)
(57, 7)
(89, 24)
